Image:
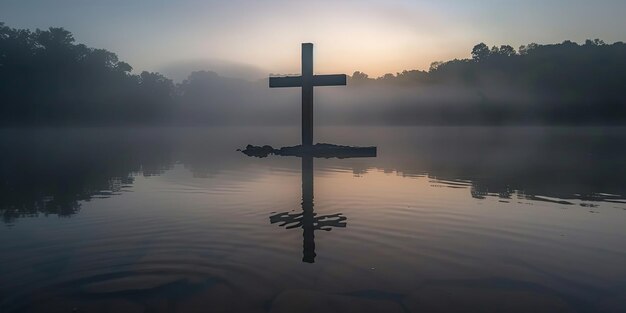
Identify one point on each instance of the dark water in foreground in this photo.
(442, 220)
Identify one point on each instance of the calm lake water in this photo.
(444, 219)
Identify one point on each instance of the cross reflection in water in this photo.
(308, 220)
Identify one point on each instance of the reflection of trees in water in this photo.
(53, 171)
(57, 188)
(479, 191)
(584, 163)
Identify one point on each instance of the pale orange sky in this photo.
(376, 37)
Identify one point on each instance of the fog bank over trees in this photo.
(46, 78)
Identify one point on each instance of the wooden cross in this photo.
(307, 80)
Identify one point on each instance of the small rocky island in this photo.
(319, 150)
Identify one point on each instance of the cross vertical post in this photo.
(307, 94)
(307, 81)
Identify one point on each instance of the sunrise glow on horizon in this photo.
(377, 38)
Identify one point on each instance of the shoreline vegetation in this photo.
(47, 79)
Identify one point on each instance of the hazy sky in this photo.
(371, 36)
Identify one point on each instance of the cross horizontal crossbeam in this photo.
(318, 80)
(307, 81)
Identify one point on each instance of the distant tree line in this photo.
(47, 79)
(569, 82)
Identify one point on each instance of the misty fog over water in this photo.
(134, 219)
(492, 183)
(48, 79)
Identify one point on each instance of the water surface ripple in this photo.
(444, 219)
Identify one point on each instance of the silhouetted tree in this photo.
(525, 49)
(595, 42)
(507, 51)
(359, 76)
(480, 52)
(46, 78)
(435, 65)
(387, 77)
